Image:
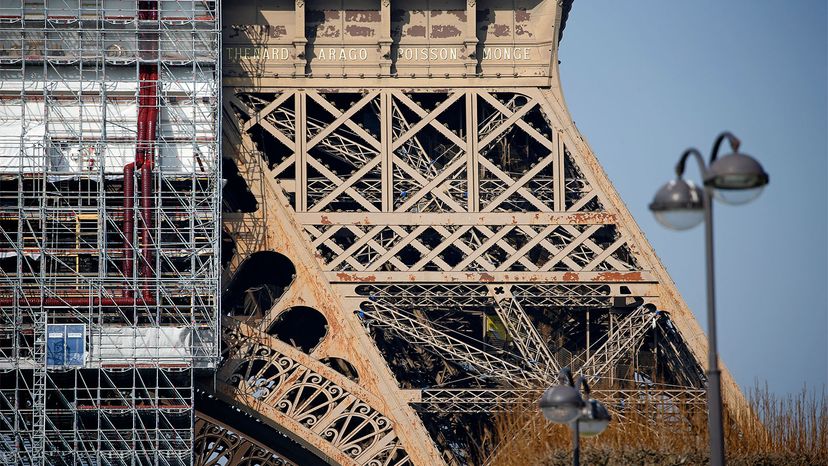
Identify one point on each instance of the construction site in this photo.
(109, 227)
(309, 232)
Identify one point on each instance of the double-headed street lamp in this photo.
(679, 205)
(564, 404)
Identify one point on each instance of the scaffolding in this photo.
(110, 198)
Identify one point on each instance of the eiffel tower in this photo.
(416, 236)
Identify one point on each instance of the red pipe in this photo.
(150, 118)
(129, 222)
(145, 148)
(146, 213)
(142, 118)
(152, 111)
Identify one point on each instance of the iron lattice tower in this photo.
(415, 235)
(421, 236)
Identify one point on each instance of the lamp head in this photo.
(679, 205)
(594, 420)
(736, 178)
(561, 404)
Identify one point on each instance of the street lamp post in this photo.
(680, 205)
(565, 404)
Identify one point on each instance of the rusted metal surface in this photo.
(218, 444)
(665, 404)
(451, 230)
(501, 277)
(316, 405)
(274, 230)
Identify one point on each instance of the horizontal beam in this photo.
(275, 81)
(498, 400)
(457, 218)
(490, 277)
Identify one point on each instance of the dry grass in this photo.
(793, 431)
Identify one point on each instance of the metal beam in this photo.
(489, 277)
(483, 400)
(484, 361)
(625, 338)
(523, 332)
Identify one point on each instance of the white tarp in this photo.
(129, 344)
(22, 140)
(64, 145)
(182, 81)
(8, 254)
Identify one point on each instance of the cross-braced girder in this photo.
(523, 333)
(623, 339)
(488, 361)
(463, 233)
(671, 400)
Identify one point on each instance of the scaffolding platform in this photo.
(110, 198)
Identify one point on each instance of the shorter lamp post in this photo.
(565, 404)
(735, 178)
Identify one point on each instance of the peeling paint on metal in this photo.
(460, 14)
(521, 15)
(328, 31)
(359, 31)
(592, 218)
(416, 31)
(444, 32)
(619, 277)
(347, 277)
(520, 31)
(278, 31)
(363, 16)
(501, 30)
(416, 24)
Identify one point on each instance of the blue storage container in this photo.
(65, 345)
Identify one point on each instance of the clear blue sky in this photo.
(646, 79)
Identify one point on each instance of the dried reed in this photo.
(793, 431)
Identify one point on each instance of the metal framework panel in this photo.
(110, 199)
(438, 225)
